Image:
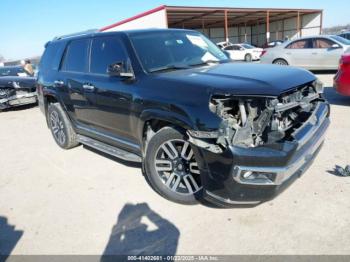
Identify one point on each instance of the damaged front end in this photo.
(261, 141)
(17, 91)
(257, 121)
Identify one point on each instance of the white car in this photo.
(222, 45)
(244, 52)
(313, 53)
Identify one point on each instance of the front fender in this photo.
(168, 116)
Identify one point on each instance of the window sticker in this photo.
(197, 40)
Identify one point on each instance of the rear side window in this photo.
(52, 56)
(300, 44)
(104, 52)
(76, 56)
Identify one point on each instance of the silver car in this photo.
(313, 53)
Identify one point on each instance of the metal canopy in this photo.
(214, 17)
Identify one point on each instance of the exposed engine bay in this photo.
(255, 121)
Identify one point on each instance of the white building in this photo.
(253, 25)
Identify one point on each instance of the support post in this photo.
(226, 27)
(268, 26)
(298, 25)
(321, 25)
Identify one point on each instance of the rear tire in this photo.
(248, 58)
(60, 127)
(171, 168)
(280, 61)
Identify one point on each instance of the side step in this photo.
(111, 150)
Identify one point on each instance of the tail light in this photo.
(263, 52)
(344, 62)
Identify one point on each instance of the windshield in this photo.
(174, 50)
(341, 39)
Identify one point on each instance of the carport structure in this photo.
(251, 25)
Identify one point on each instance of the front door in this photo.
(113, 93)
(327, 56)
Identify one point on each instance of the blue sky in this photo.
(27, 25)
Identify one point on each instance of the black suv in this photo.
(202, 126)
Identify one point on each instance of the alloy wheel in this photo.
(177, 168)
(57, 127)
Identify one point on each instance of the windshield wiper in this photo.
(169, 68)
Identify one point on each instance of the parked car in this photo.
(273, 43)
(17, 91)
(12, 71)
(313, 53)
(222, 45)
(201, 126)
(244, 52)
(345, 35)
(342, 78)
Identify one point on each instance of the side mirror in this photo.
(335, 46)
(122, 69)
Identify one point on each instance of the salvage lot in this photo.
(81, 202)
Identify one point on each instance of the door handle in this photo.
(88, 87)
(58, 83)
(315, 53)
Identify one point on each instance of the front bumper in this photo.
(278, 164)
(18, 100)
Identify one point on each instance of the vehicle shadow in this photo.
(9, 237)
(334, 98)
(141, 231)
(324, 72)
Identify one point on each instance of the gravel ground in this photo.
(79, 202)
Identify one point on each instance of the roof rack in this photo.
(86, 32)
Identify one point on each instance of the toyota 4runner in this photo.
(202, 126)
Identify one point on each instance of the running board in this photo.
(111, 150)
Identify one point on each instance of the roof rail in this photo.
(86, 32)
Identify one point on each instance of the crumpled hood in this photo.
(24, 82)
(242, 78)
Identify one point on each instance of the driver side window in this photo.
(104, 52)
(323, 43)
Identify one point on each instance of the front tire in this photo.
(60, 127)
(171, 167)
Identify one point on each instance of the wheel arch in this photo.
(280, 58)
(156, 119)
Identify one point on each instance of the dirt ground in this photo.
(80, 202)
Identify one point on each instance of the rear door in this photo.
(299, 53)
(326, 56)
(79, 97)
